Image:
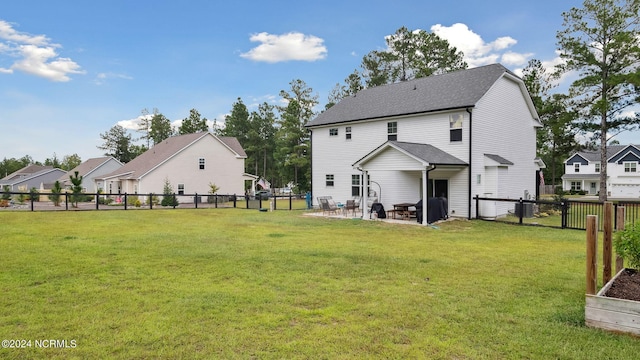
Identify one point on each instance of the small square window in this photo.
(630, 167)
(329, 179)
(201, 163)
(333, 132)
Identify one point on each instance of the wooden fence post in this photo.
(620, 226)
(592, 250)
(607, 242)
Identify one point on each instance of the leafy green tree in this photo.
(56, 190)
(352, 84)
(117, 143)
(293, 151)
(410, 55)
(160, 127)
(144, 126)
(54, 161)
(237, 123)
(556, 140)
(601, 43)
(6, 189)
(195, 123)
(76, 188)
(8, 166)
(261, 140)
(70, 162)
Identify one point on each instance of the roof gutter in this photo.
(470, 153)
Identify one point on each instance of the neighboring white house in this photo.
(189, 162)
(461, 134)
(582, 172)
(32, 176)
(90, 170)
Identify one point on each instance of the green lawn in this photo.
(233, 283)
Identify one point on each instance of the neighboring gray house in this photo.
(582, 172)
(461, 134)
(32, 176)
(189, 162)
(90, 170)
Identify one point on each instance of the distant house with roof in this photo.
(582, 172)
(32, 176)
(189, 162)
(460, 134)
(90, 170)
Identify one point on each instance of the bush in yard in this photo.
(168, 198)
(627, 244)
(55, 193)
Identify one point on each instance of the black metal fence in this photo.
(565, 214)
(98, 201)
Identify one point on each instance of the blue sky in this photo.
(71, 70)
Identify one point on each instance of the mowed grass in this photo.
(232, 283)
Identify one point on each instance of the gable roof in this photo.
(594, 155)
(425, 153)
(25, 172)
(87, 167)
(454, 90)
(165, 150)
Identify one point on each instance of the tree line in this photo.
(599, 43)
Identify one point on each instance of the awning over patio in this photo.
(423, 155)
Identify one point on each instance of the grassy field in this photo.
(232, 283)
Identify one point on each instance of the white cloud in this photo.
(35, 55)
(133, 124)
(476, 51)
(287, 47)
(101, 78)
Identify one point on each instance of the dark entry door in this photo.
(435, 188)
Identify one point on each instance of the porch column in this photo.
(365, 193)
(425, 181)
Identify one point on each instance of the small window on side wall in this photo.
(333, 132)
(201, 163)
(180, 189)
(329, 180)
(455, 127)
(347, 132)
(392, 130)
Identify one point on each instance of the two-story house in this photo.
(582, 172)
(465, 133)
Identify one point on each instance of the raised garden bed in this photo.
(616, 307)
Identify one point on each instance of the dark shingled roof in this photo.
(425, 152)
(454, 90)
(499, 159)
(594, 155)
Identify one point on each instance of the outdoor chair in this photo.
(327, 205)
(351, 206)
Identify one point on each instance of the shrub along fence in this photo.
(565, 214)
(100, 201)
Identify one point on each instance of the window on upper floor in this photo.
(576, 167)
(455, 127)
(630, 166)
(201, 163)
(329, 178)
(333, 132)
(347, 133)
(392, 130)
(597, 167)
